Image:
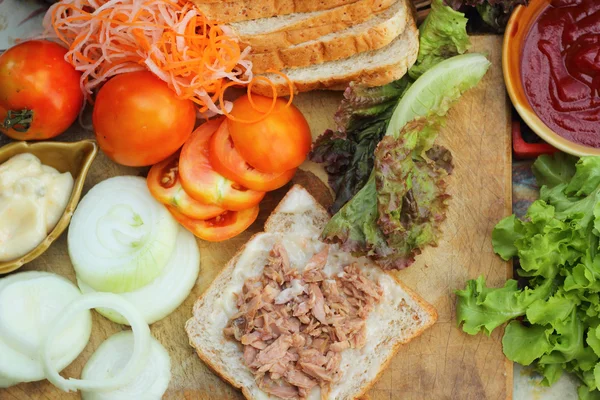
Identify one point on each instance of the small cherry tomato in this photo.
(277, 143)
(219, 228)
(40, 93)
(165, 186)
(139, 120)
(202, 182)
(226, 160)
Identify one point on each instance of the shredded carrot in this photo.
(264, 113)
(170, 38)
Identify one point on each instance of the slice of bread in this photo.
(297, 222)
(371, 68)
(243, 10)
(372, 34)
(270, 34)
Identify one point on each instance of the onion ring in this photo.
(141, 345)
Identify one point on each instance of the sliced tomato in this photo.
(202, 182)
(217, 229)
(164, 184)
(226, 160)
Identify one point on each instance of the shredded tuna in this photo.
(294, 324)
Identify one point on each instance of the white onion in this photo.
(110, 358)
(120, 237)
(163, 295)
(6, 382)
(29, 302)
(141, 333)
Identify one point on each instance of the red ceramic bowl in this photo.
(514, 39)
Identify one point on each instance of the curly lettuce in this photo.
(362, 119)
(400, 209)
(554, 317)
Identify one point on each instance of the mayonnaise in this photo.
(33, 197)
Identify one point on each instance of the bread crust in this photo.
(189, 326)
(376, 76)
(314, 27)
(243, 10)
(340, 46)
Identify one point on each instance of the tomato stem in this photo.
(20, 121)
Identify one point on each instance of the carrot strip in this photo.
(171, 38)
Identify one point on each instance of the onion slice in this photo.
(141, 333)
(164, 294)
(120, 237)
(6, 382)
(29, 303)
(110, 358)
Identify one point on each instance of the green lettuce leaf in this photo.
(525, 344)
(587, 177)
(551, 373)
(483, 309)
(505, 234)
(442, 35)
(557, 246)
(554, 170)
(552, 310)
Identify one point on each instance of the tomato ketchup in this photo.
(561, 69)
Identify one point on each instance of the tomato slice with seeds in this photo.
(202, 182)
(165, 185)
(226, 160)
(219, 228)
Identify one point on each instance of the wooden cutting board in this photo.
(443, 363)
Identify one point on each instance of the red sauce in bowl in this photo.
(561, 69)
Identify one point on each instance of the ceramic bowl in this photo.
(75, 158)
(514, 39)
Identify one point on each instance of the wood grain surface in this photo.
(443, 363)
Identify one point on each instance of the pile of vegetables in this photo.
(45, 324)
(214, 185)
(388, 175)
(554, 310)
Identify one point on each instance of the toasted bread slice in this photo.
(372, 34)
(371, 68)
(243, 10)
(270, 34)
(297, 223)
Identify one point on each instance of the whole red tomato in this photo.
(40, 95)
(275, 144)
(140, 121)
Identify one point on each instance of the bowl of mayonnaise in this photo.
(40, 186)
